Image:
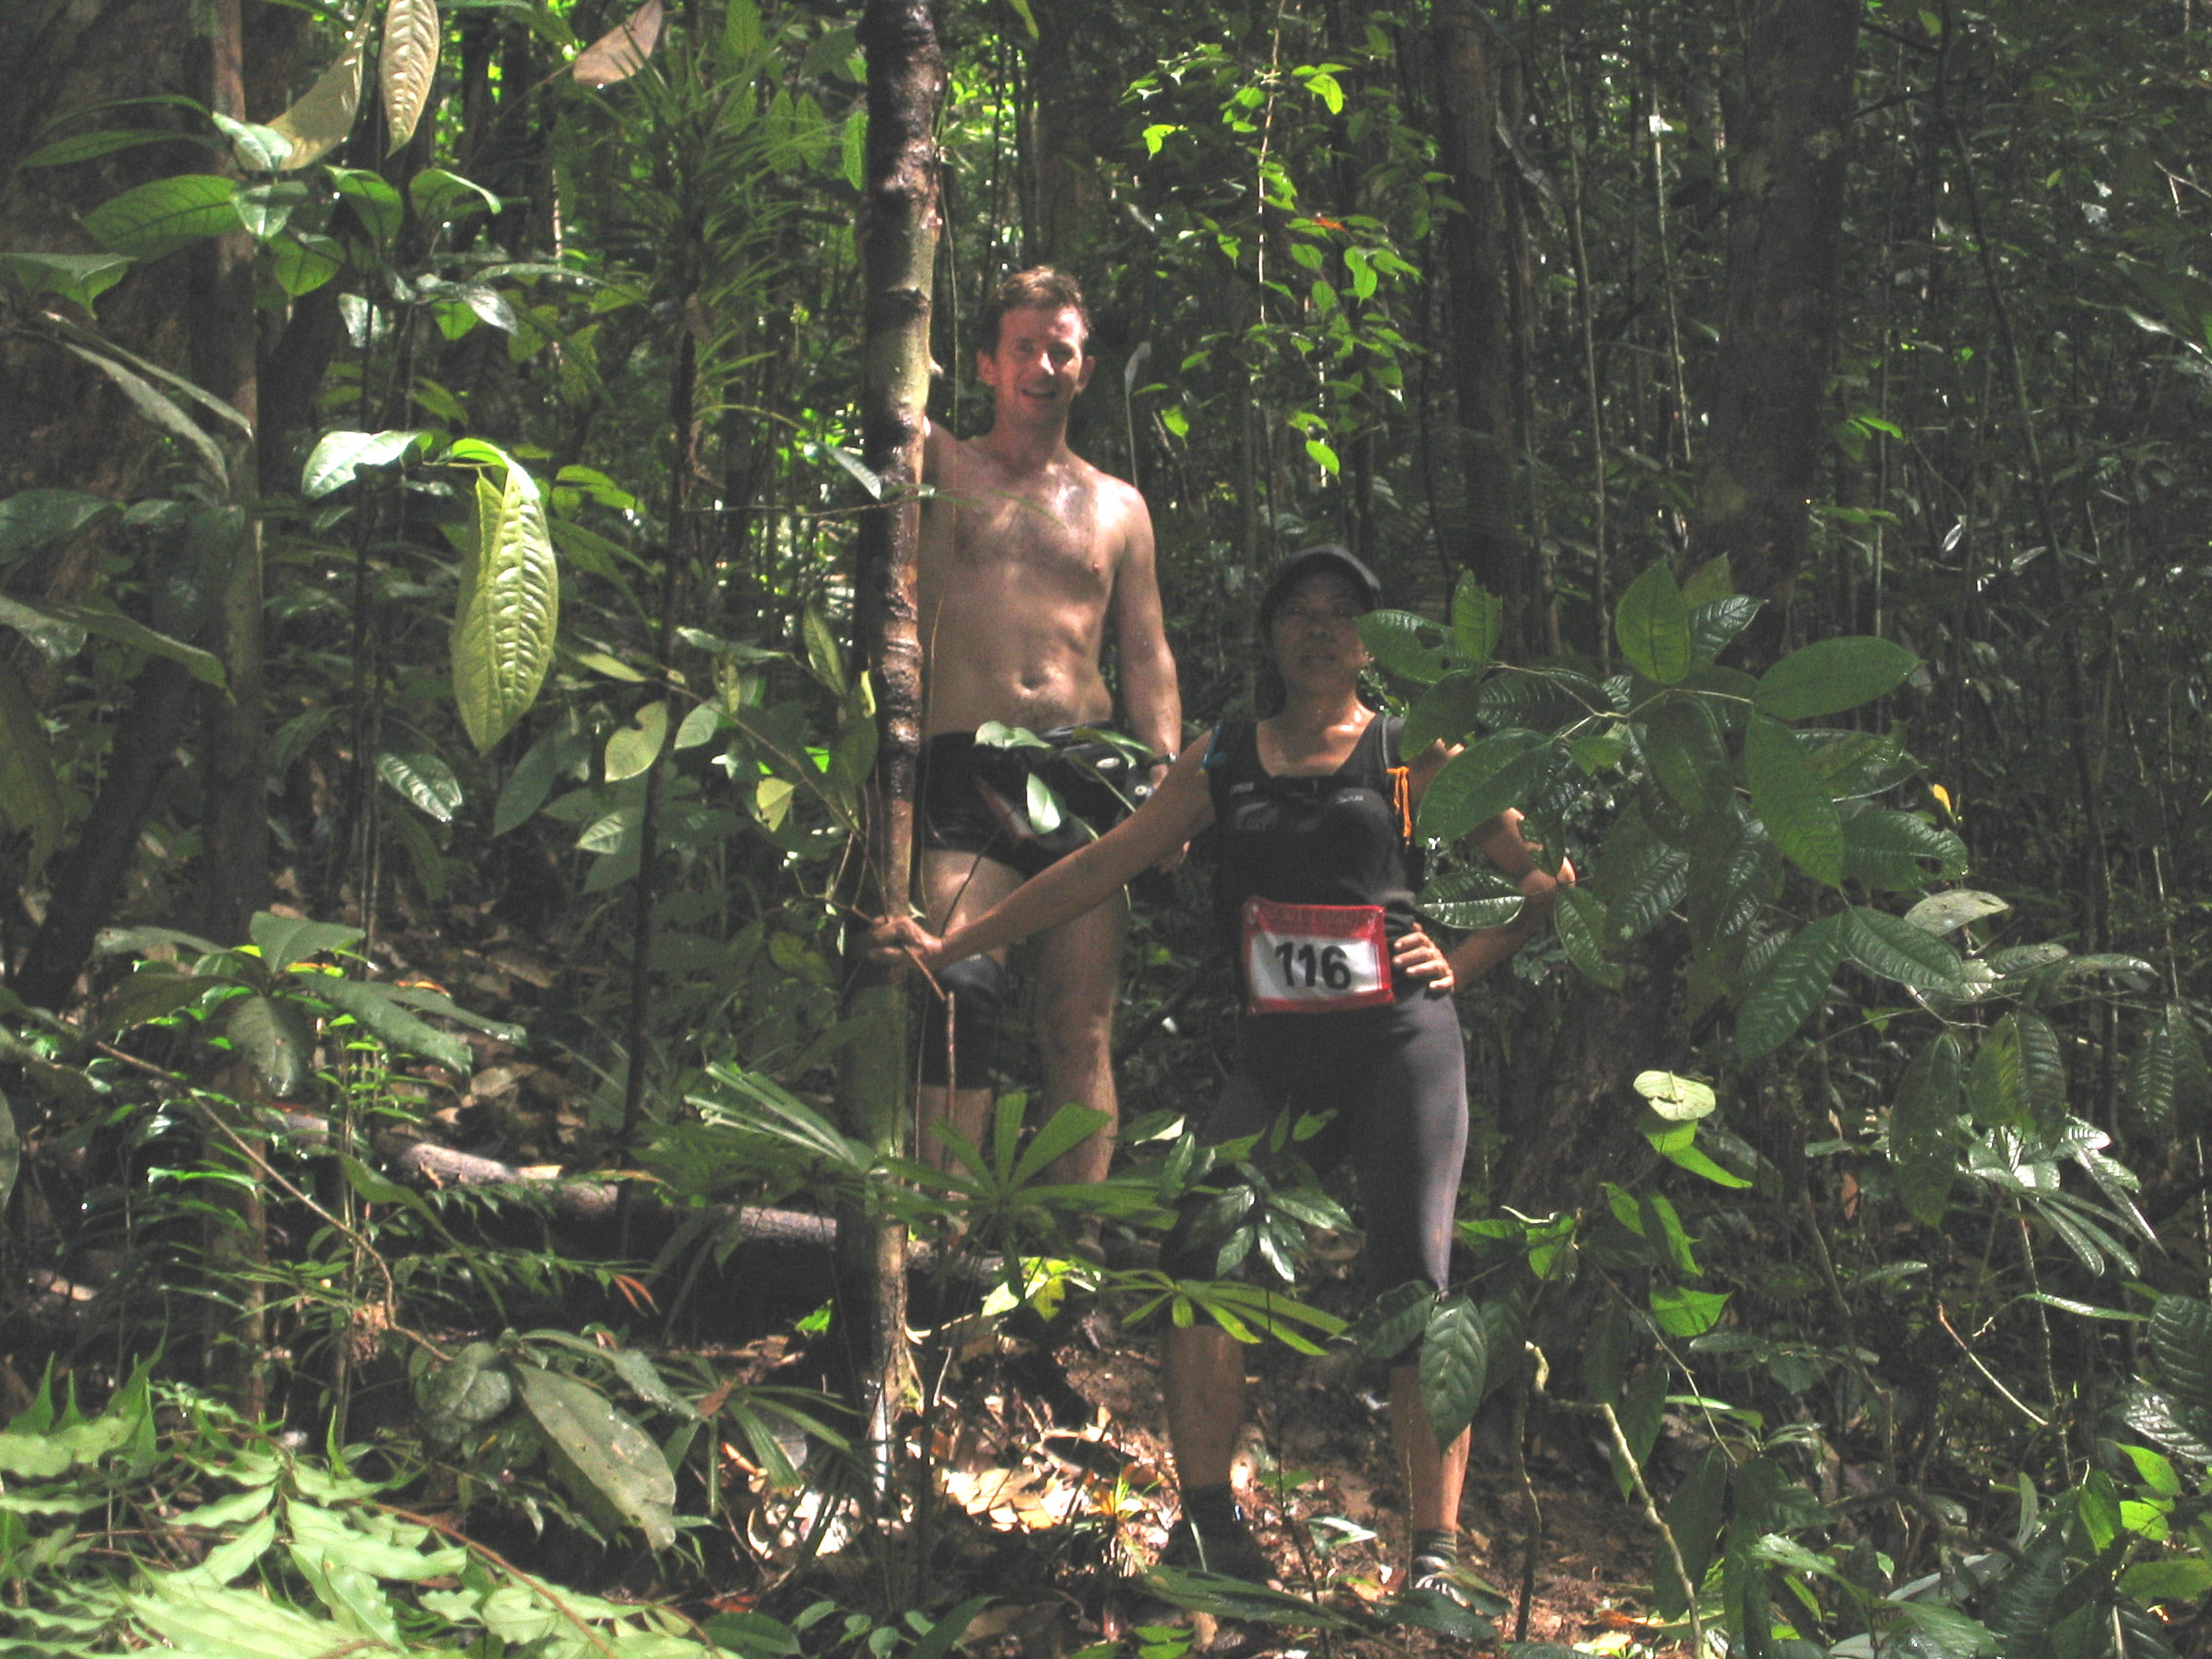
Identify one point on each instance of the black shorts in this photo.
(1396, 1079)
(974, 798)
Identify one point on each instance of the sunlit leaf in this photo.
(1947, 912)
(407, 65)
(1894, 948)
(338, 455)
(165, 215)
(637, 746)
(319, 122)
(621, 51)
(508, 611)
(424, 780)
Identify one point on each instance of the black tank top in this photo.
(1342, 839)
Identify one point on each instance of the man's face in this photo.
(1040, 364)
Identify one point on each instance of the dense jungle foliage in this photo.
(439, 771)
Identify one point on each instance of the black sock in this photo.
(1437, 1543)
(1212, 1506)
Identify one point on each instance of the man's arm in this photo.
(1150, 699)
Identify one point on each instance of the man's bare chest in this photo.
(1058, 534)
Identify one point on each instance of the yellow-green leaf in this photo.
(407, 63)
(319, 122)
(509, 609)
(636, 746)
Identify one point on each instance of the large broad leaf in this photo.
(1830, 675)
(1584, 932)
(1886, 850)
(1794, 983)
(210, 1621)
(407, 65)
(1947, 912)
(163, 411)
(338, 455)
(1475, 786)
(34, 520)
(2193, 1077)
(389, 1021)
(602, 1449)
(1653, 882)
(1391, 1323)
(165, 215)
(284, 940)
(1651, 625)
(1478, 618)
(634, 747)
(1923, 1129)
(620, 53)
(319, 122)
(79, 277)
(1791, 802)
(1997, 1088)
(1713, 625)
(2149, 1088)
(462, 1396)
(1455, 1367)
(509, 610)
(1894, 949)
(1446, 713)
(2164, 1419)
(1411, 647)
(275, 1040)
(1684, 748)
(48, 617)
(1470, 899)
(1693, 1516)
(30, 790)
(1677, 1098)
(2043, 1070)
(2181, 1336)
(2020, 1612)
(425, 780)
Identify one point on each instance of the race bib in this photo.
(1314, 958)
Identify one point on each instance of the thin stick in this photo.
(1666, 1532)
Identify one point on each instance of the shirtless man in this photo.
(1027, 553)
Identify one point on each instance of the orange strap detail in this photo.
(1401, 793)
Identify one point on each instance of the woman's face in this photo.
(1315, 630)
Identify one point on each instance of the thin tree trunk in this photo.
(906, 85)
(1468, 46)
(1787, 144)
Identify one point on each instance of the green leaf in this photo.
(1923, 1129)
(1947, 912)
(210, 1621)
(30, 790)
(1391, 1323)
(1579, 918)
(275, 1040)
(1455, 1367)
(1830, 675)
(1642, 1413)
(11, 1150)
(441, 195)
(509, 610)
(1682, 1312)
(255, 148)
(1795, 982)
(2184, 1578)
(1410, 646)
(385, 1018)
(1677, 1099)
(1681, 744)
(603, 1451)
(2043, 1070)
(1476, 784)
(1791, 802)
(319, 122)
(1448, 712)
(852, 148)
(264, 209)
(91, 146)
(375, 203)
(407, 65)
(338, 455)
(637, 746)
(1478, 618)
(1709, 584)
(2149, 1087)
(425, 780)
(1653, 626)
(303, 261)
(1712, 626)
(165, 215)
(1997, 1090)
(79, 277)
(462, 1396)
(1470, 899)
(47, 616)
(287, 940)
(2019, 1614)
(2180, 1340)
(1885, 850)
(33, 520)
(1894, 949)
(162, 411)
(1693, 1516)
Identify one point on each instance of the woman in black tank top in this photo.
(1347, 999)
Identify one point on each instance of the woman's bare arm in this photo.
(1178, 809)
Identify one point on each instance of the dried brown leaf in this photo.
(619, 54)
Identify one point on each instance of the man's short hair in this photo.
(1038, 285)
